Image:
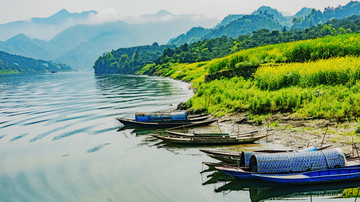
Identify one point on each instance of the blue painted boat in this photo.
(293, 162)
(313, 177)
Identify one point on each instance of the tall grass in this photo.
(239, 95)
(309, 74)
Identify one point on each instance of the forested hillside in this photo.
(268, 18)
(219, 47)
(316, 78)
(128, 60)
(18, 64)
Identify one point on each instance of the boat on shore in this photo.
(164, 125)
(246, 173)
(210, 140)
(205, 135)
(293, 162)
(210, 135)
(237, 157)
(313, 177)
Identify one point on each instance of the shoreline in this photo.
(296, 134)
(290, 133)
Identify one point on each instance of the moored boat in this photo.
(214, 135)
(210, 140)
(294, 162)
(163, 124)
(237, 157)
(313, 177)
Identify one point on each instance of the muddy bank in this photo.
(296, 133)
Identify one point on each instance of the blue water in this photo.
(59, 141)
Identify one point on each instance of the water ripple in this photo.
(48, 117)
(97, 148)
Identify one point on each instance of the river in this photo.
(60, 141)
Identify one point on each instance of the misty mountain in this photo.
(195, 34)
(44, 28)
(302, 13)
(275, 14)
(23, 45)
(242, 26)
(245, 25)
(228, 19)
(269, 18)
(316, 17)
(81, 44)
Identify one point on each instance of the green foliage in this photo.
(129, 60)
(222, 46)
(323, 88)
(240, 95)
(357, 131)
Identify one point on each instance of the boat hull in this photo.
(313, 177)
(209, 141)
(236, 172)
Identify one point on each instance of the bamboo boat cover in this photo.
(296, 161)
(245, 155)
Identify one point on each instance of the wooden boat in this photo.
(235, 157)
(313, 177)
(214, 135)
(210, 140)
(163, 125)
(208, 135)
(246, 173)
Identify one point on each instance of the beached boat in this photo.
(210, 135)
(236, 157)
(210, 140)
(165, 124)
(313, 177)
(214, 135)
(293, 162)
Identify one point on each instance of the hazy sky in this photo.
(12, 10)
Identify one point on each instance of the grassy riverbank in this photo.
(314, 78)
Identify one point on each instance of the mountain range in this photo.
(267, 18)
(83, 40)
(78, 39)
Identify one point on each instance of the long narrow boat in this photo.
(163, 125)
(246, 173)
(235, 157)
(214, 135)
(313, 177)
(210, 141)
(209, 135)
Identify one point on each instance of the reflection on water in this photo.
(59, 141)
(259, 190)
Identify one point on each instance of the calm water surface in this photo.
(59, 141)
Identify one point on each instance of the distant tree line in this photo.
(131, 60)
(18, 64)
(219, 47)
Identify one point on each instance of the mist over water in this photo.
(59, 141)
